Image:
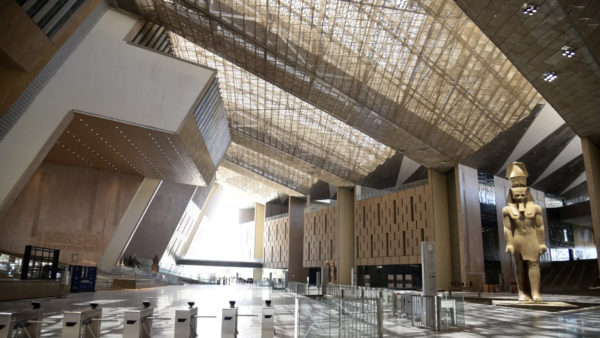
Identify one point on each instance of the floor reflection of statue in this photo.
(524, 233)
(332, 273)
(327, 273)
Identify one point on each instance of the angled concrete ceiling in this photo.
(533, 44)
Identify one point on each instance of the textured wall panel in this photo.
(389, 229)
(320, 237)
(276, 242)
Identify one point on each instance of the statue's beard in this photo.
(521, 203)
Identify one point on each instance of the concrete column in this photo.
(296, 213)
(470, 246)
(501, 188)
(259, 232)
(345, 238)
(591, 159)
(128, 224)
(443, 255)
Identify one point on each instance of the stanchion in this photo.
(26, 323)
(268, 320)
(138, 322)
(84, 323)
(185, 322)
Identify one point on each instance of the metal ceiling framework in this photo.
(270, 169)
(416, 75)
(269, 121)
(259, 191)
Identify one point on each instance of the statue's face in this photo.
(519, 194)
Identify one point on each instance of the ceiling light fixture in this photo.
(529, 9)
(550, 76)
(568, 51)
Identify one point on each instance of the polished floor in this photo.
(481, 320)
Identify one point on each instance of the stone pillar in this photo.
(259, 232)
(591, 159)
(501, 189)
(470, 243)
(345, 238)
(443, 255)
(296, 214)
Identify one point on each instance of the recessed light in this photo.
(529, 9)
(550, 76)
(568, 51)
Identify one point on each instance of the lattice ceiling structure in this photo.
(416, 75)
(280, 136)
(260, 190)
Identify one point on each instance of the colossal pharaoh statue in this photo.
(524, 233)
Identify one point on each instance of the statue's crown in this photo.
(517, 173)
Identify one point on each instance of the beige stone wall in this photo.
(276, 243)
(320, 237)
(389, 229)
(73, 209)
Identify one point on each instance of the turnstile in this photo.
(229, 321)
(22, 324)
(268, 320)
(84, 323)
(185, 322)
(138, 322)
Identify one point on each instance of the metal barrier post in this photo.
(26, 323)
(84, 323)
(185, 322)
(379, 318)
(138, 322)
(229, 321)
(268, 320)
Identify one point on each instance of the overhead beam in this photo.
(232, 264)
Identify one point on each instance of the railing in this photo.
(276, 217)
(349, 291)
(124, 271)
(338, 317)
(382, 192)
(303, 289)
(320, 207)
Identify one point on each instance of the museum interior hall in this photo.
(299, 168)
